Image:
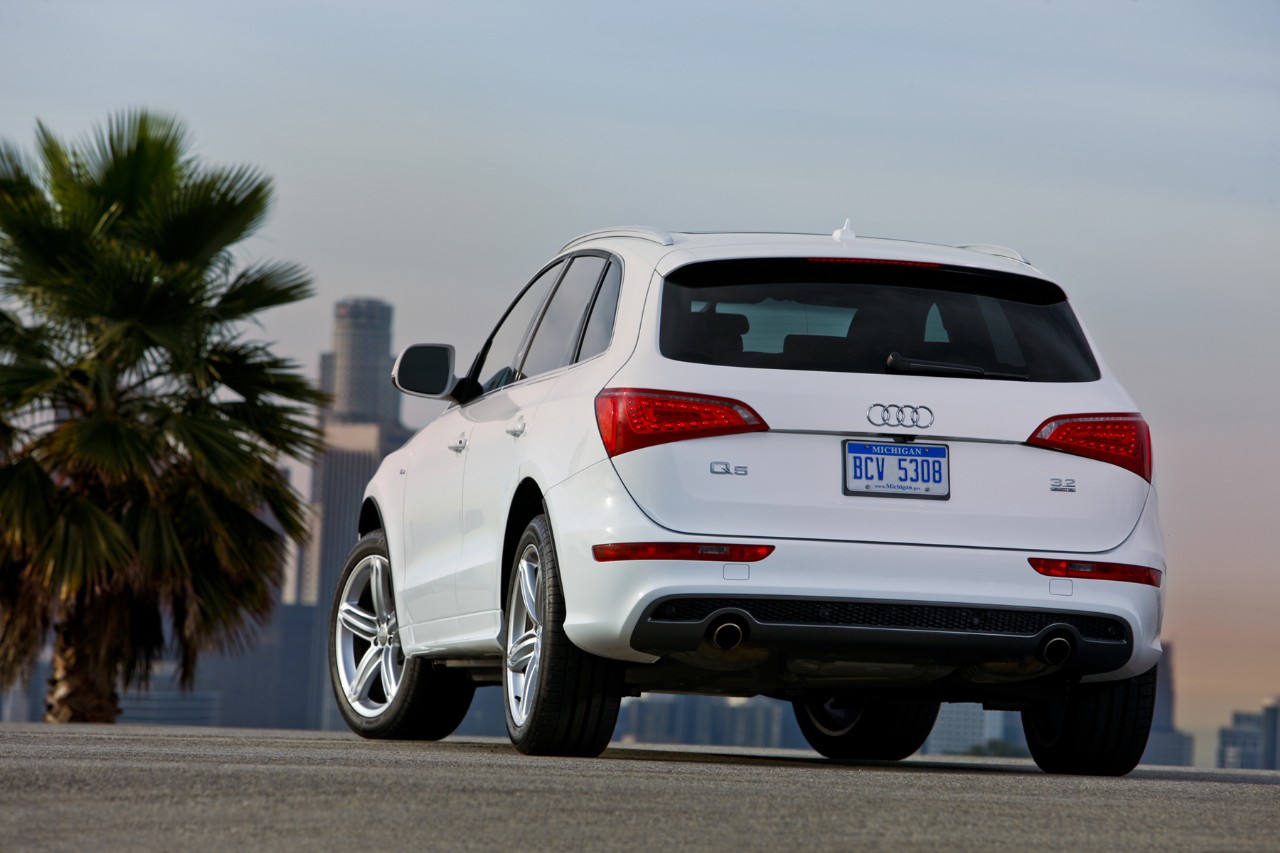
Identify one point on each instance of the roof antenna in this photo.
(844, 234)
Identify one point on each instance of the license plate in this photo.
(891, 469)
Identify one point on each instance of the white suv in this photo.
(863, 476)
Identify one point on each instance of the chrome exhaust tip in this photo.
(1056, 651)
(727, 635)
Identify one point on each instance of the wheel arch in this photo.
(526, 505)
(370, 517)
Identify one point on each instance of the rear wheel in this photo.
(867, 729)
(380, 692)
(1099, 730)
(560, 700)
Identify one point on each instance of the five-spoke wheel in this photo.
(381, 692)
(560, 700)
(524, 627)
(370, 662)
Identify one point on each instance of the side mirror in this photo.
(425, 370)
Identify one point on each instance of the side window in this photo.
(498, 367)
(595, 339)
(557, 336)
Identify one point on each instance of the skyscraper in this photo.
(362, 359)
(1240, 744)
(361, 426)
(1166, 745)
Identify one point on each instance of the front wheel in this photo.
(560, 700)
(865, 729)
(1099, 730)
(380, 692)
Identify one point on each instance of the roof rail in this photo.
(640, 232)
(998, 251)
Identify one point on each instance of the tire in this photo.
(865, 729)
(559, 700)
(1099, 730)
(380, 693)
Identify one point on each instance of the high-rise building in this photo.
(1240, 744)
(966, 728)
(1269, 743)
(1166, 745)
(361, 426)
(361, 364)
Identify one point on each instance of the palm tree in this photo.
(141, 433)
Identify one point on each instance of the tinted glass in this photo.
(497, 369)
(557, 336)
(595, 339)
(845, 317)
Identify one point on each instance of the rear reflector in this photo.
(1122, 439)
(632, 418)
(1096, 571)
(716, 551)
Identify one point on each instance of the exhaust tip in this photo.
(1056, 651)
(728, 635)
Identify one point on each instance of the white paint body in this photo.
(445, 509)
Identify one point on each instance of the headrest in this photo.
(722, 324)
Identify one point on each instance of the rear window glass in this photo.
(799, 314)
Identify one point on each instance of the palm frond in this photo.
(104, 446)
(137, 157)
(17, 181)
(218, 455)
(83, 547)
(203, 217)
(261, 287)
(27, 498)
(25, 616)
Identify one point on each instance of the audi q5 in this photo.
(861, 476)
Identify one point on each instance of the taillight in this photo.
(631, 418)
(1096, 571)
(714, 551)
(1122, 439)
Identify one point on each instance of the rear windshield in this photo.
(866, 317)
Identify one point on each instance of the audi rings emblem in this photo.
(891, 414)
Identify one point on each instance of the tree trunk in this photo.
(82, 688)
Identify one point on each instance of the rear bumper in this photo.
(616, 609)
(882, 631)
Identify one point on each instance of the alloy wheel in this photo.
(370, 662)
(524, 636)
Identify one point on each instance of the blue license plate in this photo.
(893, 469)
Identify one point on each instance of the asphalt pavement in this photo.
(88, 788)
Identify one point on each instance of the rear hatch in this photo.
(877, 402)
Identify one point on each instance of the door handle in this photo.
(516, 427)
(459, 444)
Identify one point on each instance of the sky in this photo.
(436, 154)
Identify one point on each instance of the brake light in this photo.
(632, 418)
(884, 261)
(717, 552)
(1122, 439)
(1096, 571)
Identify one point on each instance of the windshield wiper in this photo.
(899, 363)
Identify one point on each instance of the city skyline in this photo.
(434, 155)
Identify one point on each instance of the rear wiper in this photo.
(899, 363)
